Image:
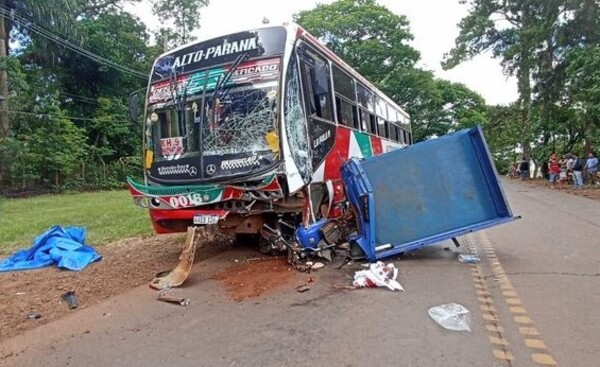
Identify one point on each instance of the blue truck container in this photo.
(425, 193)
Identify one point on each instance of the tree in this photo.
(583, 81)
(77, 114)
(508, 29)
(58, 12)
(374, 41)
(366, 35)
(185, 16)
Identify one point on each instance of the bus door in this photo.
(316, 86)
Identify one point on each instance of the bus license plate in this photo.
(206, 219)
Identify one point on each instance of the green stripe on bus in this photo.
(364, 142)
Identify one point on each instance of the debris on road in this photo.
(378, 275)
(469, 259)
(317, 266)
(178, 275)
(451, 316)
(71, 300)
(34, 316)
(302, 288)
(166, 296)
(64, 247)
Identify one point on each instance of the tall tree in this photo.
(185, 16)
(508, 29)
(57, 13)
(368, 36)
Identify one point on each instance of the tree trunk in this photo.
(5, 175)
(524, 81)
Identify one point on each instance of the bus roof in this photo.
(299, 32)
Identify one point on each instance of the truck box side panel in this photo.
(427, 192)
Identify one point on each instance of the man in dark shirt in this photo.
(524, 168)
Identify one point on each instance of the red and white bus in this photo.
(251, 128)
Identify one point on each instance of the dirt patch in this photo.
(125, 264)
(253, 278)
(591, 192)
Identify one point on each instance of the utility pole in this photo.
(4, 118)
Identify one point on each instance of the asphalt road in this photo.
(533, 299)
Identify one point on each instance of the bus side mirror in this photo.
(134, 107)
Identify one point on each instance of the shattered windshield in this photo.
(240, 121)
(237, 119)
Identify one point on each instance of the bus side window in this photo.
(346, 112)
(365, 124)
(386, 129)
(317, 88)
(373, 121)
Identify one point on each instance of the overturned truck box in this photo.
(423, 194)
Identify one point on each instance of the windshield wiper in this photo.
(223, 82)
(179, 102)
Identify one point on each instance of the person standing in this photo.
(577, 168)
(524, 168)
(591, 168)
(553, 169)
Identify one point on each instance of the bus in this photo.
(249, 130)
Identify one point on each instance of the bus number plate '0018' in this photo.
(206, 219)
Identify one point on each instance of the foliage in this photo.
(185, 16)
(66, 134)
(583, 75)
(108, 216)
(551, 46)
(374, 41)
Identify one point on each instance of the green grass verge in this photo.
(107, 215)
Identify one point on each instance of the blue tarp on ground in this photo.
(64, 247)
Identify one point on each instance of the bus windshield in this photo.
(226, 122)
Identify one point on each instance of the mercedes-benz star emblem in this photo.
(193, 171)
(211, 169)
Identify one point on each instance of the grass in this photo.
(107, 215)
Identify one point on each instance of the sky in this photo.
(432, 22)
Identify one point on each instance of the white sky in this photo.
(432, 22)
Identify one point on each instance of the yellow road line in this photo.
(532, 338)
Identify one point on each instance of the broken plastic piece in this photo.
(469, 259)
(181, 272)
(317, 266)
(302, 288)
(451, 316)
(71, 299)
(166, 297)
(378, 275)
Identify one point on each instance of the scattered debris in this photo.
(451, 316)
(446, 248)
(181, 272)
(378, 275)
(303, 288)
(469, 259)
(71, 300)
(341, 286)
(317, 266)
(166, 296)
(34, 316)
